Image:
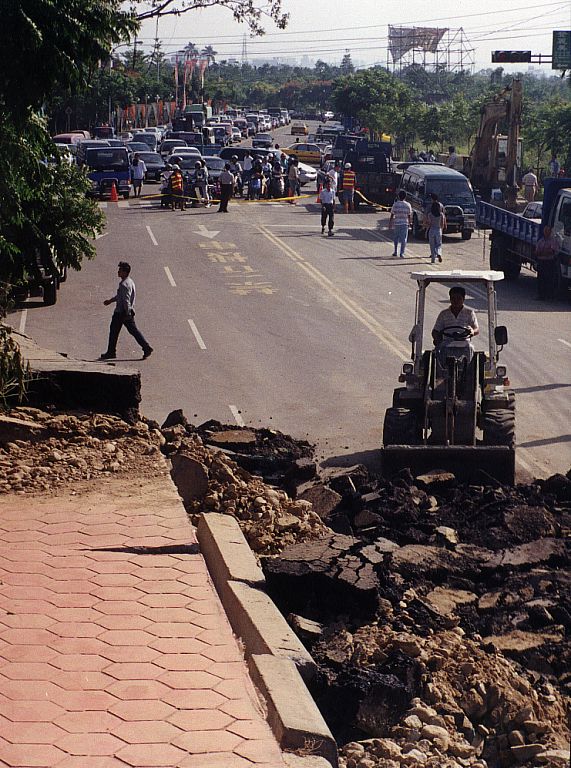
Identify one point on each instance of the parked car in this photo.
(185, 162)
(307, 174)
(299, 129)
(184, 152)
(215, 167)
(136, 146)
(263, 140)
(307, 153)
(154, 163)
(168, 145)
(147, 138)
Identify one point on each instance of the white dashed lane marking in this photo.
(567, 344)
(153, 238)
(197, 336)
(23, 318)
(170, 278)
(237, 416)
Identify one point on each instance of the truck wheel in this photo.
(399, 427)
(50, 292)
(466, 234)
(417, 231)
(497, 256)
(498, 427)
(511, 269)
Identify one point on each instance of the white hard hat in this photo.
(347, 165)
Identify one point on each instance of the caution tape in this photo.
(216, 200)
(374, 205)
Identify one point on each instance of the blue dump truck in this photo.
(108, 165)
(513, 237)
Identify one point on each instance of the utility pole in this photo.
(134, 53)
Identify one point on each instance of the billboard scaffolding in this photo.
(432, 48)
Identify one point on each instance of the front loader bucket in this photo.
(464, 461)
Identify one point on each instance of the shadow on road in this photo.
(540, 388)
(546, 441)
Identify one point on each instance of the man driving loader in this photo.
(457, 321)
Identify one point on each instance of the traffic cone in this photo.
(319, 188)
(114, 196)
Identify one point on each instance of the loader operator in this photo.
(456, 317)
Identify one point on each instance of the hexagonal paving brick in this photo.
(80, 661)
(142, 710)
(157, 574)
(119, 607)
(188, 662)
(147, 732)
(138, 689)
(75, 630)
(88, 744)
(30, 755)
(28, 670)
(239, 709)
(178, 645)
(117, 593)
(88, 722)
(133, 671)
(83, 701)
(219, 760)
(251, 729)
(28, 711)
(223, 653)
(208, 741)
(123, 622)
(78, 645)
(174, 629)
(79, 680)
(27, 621)
(27, 690)
(259, 751)
(188, 680)
(115, 580)
(125, 637)
(185, 699)
(129, 653)
(160, 587)
(150, 755)
(34, 653)
(201, 720)
(31, 733)
(169, 615)
(165, 601)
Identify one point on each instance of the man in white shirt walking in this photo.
(327, 200)
(530, 185)
(138, 171)
(400, 221)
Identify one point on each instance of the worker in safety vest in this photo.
(177, 185)
(348, 183)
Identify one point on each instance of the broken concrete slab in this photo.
(226, 551)
(190, 476)
(18, 429)
(324, 500)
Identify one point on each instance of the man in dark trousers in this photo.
(124, 315)
(227, 182)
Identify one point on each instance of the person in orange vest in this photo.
(348, 183)
(177, 185)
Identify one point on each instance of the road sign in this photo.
(561, 50)
(511, 57)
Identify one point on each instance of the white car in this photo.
(307, 174)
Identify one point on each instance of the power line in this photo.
(446, 19)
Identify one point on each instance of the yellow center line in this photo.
(364, 317)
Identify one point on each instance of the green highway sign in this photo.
(561, 50)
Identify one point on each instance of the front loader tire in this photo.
(498, 426)
(399, 427)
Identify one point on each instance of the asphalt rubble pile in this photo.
(438, 613)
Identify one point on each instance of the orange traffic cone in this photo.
(114, 196)
(319, 188)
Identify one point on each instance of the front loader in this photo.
(455, 411)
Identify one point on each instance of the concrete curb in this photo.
(276, 657)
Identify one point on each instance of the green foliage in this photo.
(44, 208)
(376, 98)
(45, 44)
(14, 372)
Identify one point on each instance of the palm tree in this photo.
(209, 54)
(190, 51)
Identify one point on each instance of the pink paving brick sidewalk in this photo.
(114, 648)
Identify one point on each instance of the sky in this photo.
(325, 29)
